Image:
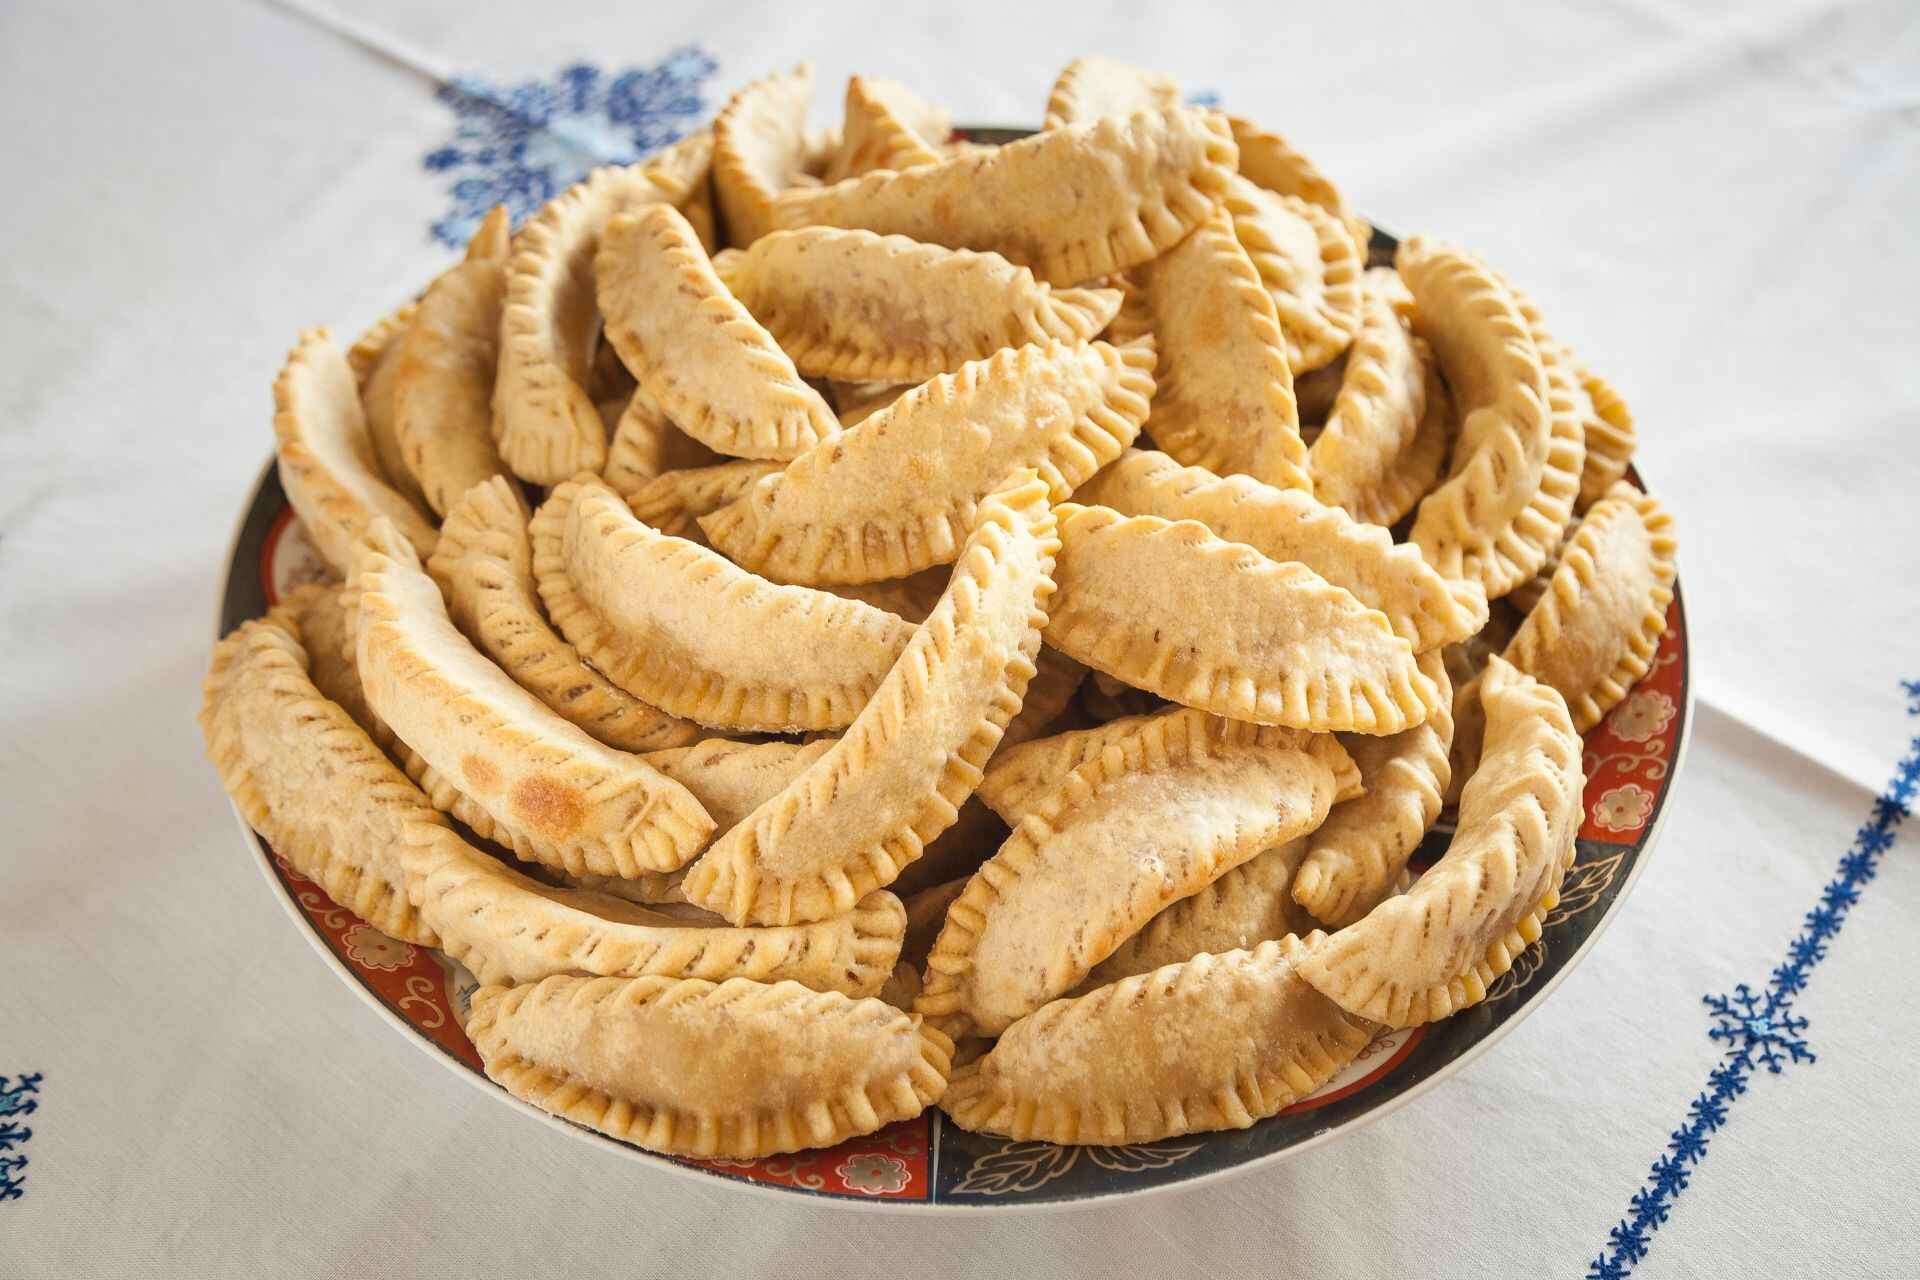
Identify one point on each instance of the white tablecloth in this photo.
(1714, 206)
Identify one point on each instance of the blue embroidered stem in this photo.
(16, 1100)
(1759, 1029)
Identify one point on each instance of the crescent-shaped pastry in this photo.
(1072, 882)
(715, 372)
(1607, 425)
(860, 307)
(544, 419)
(1223, 391)
(646, 445)
(899, 493)
(443, 385)
(680, 171)
(1021, 775)
(1593, 634)
(1245, 637)
(1245, 907)
(1094, 86)
(317, 614)
(898, 777)
(1072, 203)
(888, 126)
(1289, 525)
(327, 466)
(1374, 424)
(1270, 161)
(509, 928)
(309, 779)
(679, 627)
(1435, 949)
(1510, 492)
(674, 501)
(1218, 1042)
(760, 146)
(1358, 853)
(375, 359)
(1308, 260)
(551, 793)
(731, 779)
(484, 566)
(735, 1071)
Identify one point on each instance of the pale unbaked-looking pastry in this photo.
(1223, 388)
(731, 779)
(646, 445)
(1215, 1043)
(705, 360)
(309, 779)
(1593, 633)
(1093, 86)
(534, 781)
(1245, 907)
(544, 418)
(859, 307)
(1507, 498)
(443, 384)
(1245, 637)
(1353, 860)
(899, 775)
(673, 501)
(1072, 203)
(1608, 427)
(887, 126)
(1308, 260)
(375, 358)
(1021, 775)
(327, 466)
(507, 928)
(1070, 885)
(1270, 161)
(1435, 949)
(484, 566)
(1289, 525)
(735, 1070)
(1358, 459)
(759, 149)
(677, 626)
(899, 492)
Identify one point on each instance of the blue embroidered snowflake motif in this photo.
(1759, 1029)
(15, 1100)
(522, 144)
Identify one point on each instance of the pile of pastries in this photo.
(827, 624)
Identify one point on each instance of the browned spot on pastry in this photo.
(480, 774)
(546, 805)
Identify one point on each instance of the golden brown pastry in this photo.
(899, 775)
(1215, 1043)
(1435, 949)
(679, 627)
(874, 504)
(1072, 203)
(738, 1070)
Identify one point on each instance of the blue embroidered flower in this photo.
(522, 144)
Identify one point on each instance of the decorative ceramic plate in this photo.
(1632, 758)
